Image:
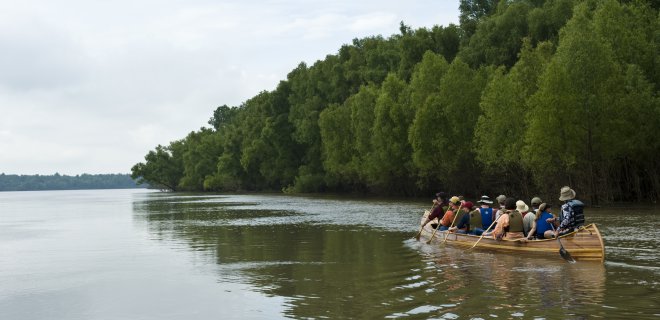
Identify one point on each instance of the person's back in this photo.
(543, 227)
(572, 212)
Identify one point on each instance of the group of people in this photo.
(510, 219)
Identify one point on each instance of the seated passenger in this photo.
(483, 218)
(448, 218)
(541, 228)
(438, 210)
(463, 222)
(509, 225)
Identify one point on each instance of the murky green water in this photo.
(134, 254)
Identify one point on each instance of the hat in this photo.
(521, 206)
(469, 205)
(485, 199)
(536, 201)
(500, 198)
(441, 195)
(455, 200)
(510, 203)
(566, 193)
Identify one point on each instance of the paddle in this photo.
(452, 223)
(484, 233)
(562, 252)
(438, 227)
(422, 228)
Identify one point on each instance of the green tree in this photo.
(390, 166)
(163, 167)
(575, 116)
(426, 132)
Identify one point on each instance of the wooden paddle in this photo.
(484, 233)
(562, 252)
(438, 227)
(422, 228)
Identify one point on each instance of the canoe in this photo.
(585, 244)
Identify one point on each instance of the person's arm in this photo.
(532, 231)
(568, 216)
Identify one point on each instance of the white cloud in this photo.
(92, 86)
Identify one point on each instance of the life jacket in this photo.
(541, 225)
(486, 217)
(475, 219)
(578, 212)
(515, 221)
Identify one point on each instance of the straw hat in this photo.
(566, 193)
(521, 206)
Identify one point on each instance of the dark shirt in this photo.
(438, 212)
(465, 221)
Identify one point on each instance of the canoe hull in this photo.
(585, 244)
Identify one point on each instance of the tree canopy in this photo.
(522, 97)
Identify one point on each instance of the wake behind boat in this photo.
(584, 244)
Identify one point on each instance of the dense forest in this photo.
(521, 98)
(12, 182)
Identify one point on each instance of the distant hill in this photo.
(13, 182)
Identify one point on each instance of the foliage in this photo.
(523, 96)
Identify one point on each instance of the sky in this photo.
(89, 86)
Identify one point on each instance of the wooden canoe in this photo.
(585, 244)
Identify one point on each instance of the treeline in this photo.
(521, 98)
(12, 182)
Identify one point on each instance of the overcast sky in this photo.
(90, 86)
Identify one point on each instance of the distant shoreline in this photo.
(14, 182)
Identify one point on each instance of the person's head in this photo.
(510, 204)
(536, 202)
(468, 206)
(501, 199)
(566, 193)
(455, 201)
(485, 201)
(521, 206)
(441, 196)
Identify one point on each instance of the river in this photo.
(139, 254)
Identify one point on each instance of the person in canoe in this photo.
(572, 212)
(463, 219)
(448, 219)
(541, 225)
(440, 205)
(528, 218)
(510, 224)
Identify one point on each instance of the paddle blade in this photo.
(567, 256)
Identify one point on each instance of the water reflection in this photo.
(331, 263)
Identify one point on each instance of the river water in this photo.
(138, 254)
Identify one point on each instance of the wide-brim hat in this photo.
(566, 193)
(485, 199)
(521, 206)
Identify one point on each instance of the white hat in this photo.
(521, 206)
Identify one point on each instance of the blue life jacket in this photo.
(541, 225)
(486, 217)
